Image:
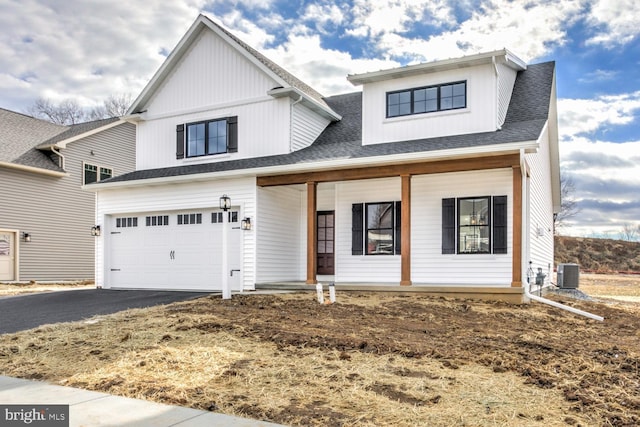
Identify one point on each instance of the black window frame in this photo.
(478, 221)
(361, 228)
(412, 102)
(231, 137)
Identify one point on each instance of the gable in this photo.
(209, 73)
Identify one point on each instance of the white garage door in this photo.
(174, 250)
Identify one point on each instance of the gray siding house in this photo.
(45, 217)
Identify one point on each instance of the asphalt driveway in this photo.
(30, 311)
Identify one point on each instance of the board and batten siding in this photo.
(263, 130)
(479, 116)
(56, 212)
(506, 80)
(540, 215)
(178, 197)
(428, 264)
(280, 242)
(306, 126)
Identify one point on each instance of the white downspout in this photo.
(61, 157)
(525, 246)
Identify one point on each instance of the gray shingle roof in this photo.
(526, 116)
(77, 129)
(20, 134)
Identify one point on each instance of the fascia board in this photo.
(325, 165)
(33, 169)
(295, 94)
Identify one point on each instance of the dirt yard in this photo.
(371, 359)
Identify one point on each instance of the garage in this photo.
(177, 250)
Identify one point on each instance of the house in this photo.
(45, 217)
(440, 176)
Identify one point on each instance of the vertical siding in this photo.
(56, 212)
(280, 243)
(191, 195)
(350, 268)
(506, 80)
(428, 264)
(306, 126)
(540, 215)
(479, 116)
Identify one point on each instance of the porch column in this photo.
(405, 232)
(312, 244)
(516, 259)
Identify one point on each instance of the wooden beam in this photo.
(384, 171)
(405, 230)
(516, 268)
(312, 244)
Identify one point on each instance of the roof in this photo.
(26, 141)
(526, 117)
(286, 79)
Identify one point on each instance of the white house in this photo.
(440, 176)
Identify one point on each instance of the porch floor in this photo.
(492, 293)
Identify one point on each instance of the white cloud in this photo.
(580, 116)
(618, 21)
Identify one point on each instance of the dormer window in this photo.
(207, 137)
(449, 96)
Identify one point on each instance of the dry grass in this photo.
(10, 289)
(372, 359)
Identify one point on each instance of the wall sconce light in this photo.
(225, 203)
(95, 230)
(245, 224)
(26, 237)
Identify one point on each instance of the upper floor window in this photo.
(207, 137)
(93, 173)
(443, 97)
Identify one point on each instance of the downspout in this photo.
(524, 274)
(299, 100)
(61, 157)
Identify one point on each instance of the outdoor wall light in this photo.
(95, 230)
(245, 224)
(26, 237)
(225, 203)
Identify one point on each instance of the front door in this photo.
(7, 255)
(326, 245)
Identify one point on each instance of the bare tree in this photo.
(69, 111)
(568, 205)
(629, 232)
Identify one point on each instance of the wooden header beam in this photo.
(422, 168)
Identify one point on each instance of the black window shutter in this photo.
(357, 235)
(232, 132)
(449, 226)
(500, 225)
(180, 142)
(398, 242)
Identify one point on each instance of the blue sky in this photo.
(87, 50)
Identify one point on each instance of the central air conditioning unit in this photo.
(568, 276)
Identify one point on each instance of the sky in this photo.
(89, 49)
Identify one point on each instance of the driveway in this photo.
(30, 311)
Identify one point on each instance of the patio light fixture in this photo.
(225, 203)
(245, 224)
(95, 230)
(26, 237)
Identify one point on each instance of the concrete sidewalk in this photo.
(90, 408)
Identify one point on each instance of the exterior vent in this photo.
(568, 276)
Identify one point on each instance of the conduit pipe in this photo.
(526, 288)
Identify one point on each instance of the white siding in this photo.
(193, 195)
(350, 268)
(540, 220)
(479, 116)
(306, 126)
(428, 264)
(280, 244)
(506, 80)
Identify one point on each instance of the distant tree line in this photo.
(69, 111)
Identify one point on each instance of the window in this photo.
(207, 138)
(186, 219)
(474, 225)
(376, 228)
(153, 221)
(126, 222)
(93, 173)
(216, 217)
(448, 96)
